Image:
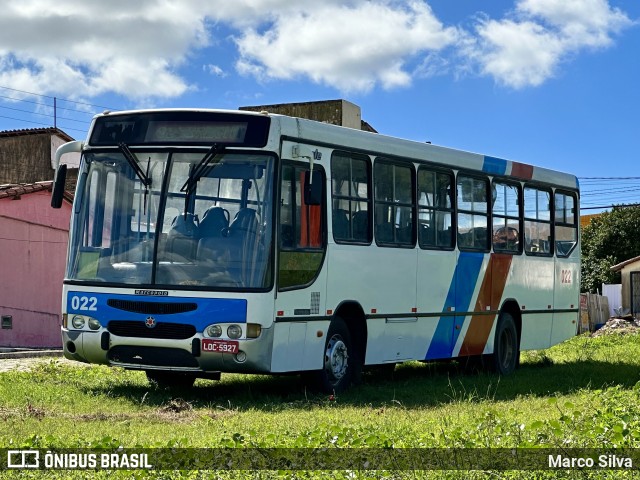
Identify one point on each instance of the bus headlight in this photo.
(78, 321)
(94, 324)
(234, 331)
(213, 331)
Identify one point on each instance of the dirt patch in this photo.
(177, 405)
(619, 326)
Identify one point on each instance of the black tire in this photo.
(341, 364)
(506, 348)
(172, 380)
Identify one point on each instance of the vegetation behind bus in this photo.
(610, 238)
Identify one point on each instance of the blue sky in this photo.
(553, 83)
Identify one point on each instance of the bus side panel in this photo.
(382, 281)
(532, 287)
(297, 345)
(477, 332)
(461, 298)
(567, 297)
(436, 294)
(289, 346)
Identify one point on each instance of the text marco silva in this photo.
(604, 461)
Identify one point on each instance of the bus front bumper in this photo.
(103, 347)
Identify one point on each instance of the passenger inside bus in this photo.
(506, 238)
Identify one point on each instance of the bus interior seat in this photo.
(182, 239)
(245, 223)
(480, 238)
(403, 234)
(214, 223)
(360, 222)
(426, 233)
(384, 232)
(445, 238)
(241, 241)
(340, 224)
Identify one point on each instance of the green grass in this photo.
(584, 393)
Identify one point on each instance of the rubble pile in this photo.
(622, 326)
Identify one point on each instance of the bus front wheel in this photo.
(339, 360)
(506, 349)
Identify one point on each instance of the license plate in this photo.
(219, 346)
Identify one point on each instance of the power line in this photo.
(608, 178)
(626, 205)
(49, 115)
(75, 107)
(15, 99)
(52, 97)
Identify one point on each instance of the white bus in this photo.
(208, 241)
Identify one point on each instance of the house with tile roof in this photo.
(27, 156)
(33, 238)
(33, 252)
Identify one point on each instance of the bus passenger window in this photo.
(350, 198)
(472, 213)
(537, 221)
(394, 204)
(506, 218)
(566, 230)
(435, 208)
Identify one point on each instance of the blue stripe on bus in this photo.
(459, 296)
(209, 310)
(494, 165)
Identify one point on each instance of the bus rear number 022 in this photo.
(84, 303)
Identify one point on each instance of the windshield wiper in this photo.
(144, 177)
(133, 161)
(199, 171)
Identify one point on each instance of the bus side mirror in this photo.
(313, 187)
(58, 186)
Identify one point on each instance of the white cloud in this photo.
(214, 70)
(349, 47)
(85, 48)
(527, 49)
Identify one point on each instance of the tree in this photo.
(609, 239)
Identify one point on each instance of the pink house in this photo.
(33, 250)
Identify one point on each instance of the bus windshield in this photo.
(169, 218)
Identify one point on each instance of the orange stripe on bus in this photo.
(491, 290)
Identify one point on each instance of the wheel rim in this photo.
(506, 348)
(336, 358)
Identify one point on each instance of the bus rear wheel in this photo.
(168, 379)
(339, 362)
(506, 348)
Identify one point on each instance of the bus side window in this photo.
(435, 208)
(566, 230)
(394, 203)
(506, 218)
(537, 221)
(351, 198)
(473, 214)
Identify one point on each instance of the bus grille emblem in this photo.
(150, 322)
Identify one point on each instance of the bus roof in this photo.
(318, 133)
(383, 145)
